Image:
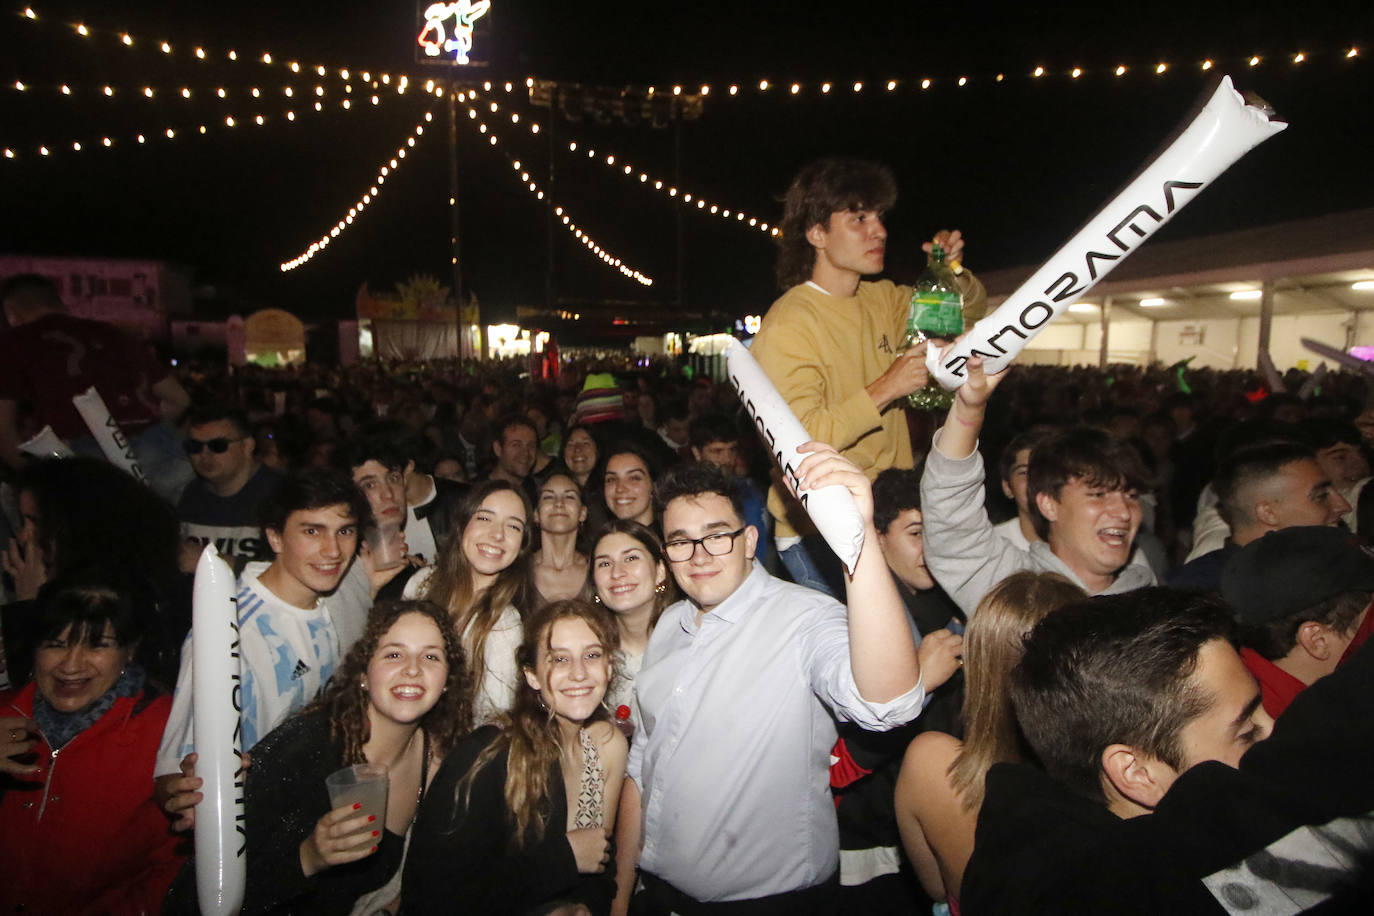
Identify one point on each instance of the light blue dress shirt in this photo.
(732, 757)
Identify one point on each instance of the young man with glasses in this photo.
(741, 685)
(221, 503)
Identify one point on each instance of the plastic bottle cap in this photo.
(622, 712)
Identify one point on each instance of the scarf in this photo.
(59, 728)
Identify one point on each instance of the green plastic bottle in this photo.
(937, 314)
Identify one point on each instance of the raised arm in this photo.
(882, 651)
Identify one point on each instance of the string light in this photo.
(796, 88)
(129, 40)
(170, 133)
(625, 168)
(368, 197)
(577, 232)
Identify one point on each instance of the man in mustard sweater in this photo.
(830, 342)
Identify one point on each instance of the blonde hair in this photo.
(993, 644)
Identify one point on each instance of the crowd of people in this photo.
(609, 665)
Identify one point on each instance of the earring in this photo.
(596, 599)
(660, 588)
(362, 683)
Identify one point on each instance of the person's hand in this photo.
(378, 577)
(823, 466)
(951, 241)
(940, 655)
(188, 554)
(179, 795)
(591, 848)
(16, 740)
(907, 373)
(23, 560)
(978, 386)
(343, 835)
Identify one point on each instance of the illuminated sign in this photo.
(448, 28)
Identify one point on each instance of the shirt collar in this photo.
(732, 608)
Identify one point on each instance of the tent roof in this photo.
(1312, 263)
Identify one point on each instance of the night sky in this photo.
(1017, 165)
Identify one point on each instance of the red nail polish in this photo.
(357, 805)
(371, 818)
(373, 849)
(375, 833)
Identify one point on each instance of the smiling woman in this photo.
(396, 702)
(79, 830)
(482, 578)
(518, 819)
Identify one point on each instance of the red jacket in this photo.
(83, 835)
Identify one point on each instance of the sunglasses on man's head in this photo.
(219, 445)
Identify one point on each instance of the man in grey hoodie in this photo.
(1084, 488)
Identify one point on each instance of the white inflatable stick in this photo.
(831, 508)
(46, 444)
(216, 679)
(1224, 130)
(107, 433)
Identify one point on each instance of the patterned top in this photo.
(591, 796)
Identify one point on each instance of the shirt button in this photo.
(677, 689)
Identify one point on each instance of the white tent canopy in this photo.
(1300, 275)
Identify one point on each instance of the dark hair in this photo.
(826, 186)
(1275, 638)
(35, 288)
(346, 704)
(1115, 669)
(695, 478)
(1324, 432)
(1094, 456)
(88, 599)
(629, 447)
(895, 490)
(712, 427)
(383, 443)
(1006, 462)
(92, 515)
(1248, 468)
(214, 412)
(511, 421)
(653, 544)
(312, 488)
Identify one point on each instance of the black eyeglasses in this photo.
(218, 445)
(717, 545)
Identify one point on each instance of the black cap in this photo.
(1294, 569)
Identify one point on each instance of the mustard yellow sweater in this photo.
(821, 351)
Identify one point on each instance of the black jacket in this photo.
(1042, 848)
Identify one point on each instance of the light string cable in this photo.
(371, 87)
(617, 164)
(386, 170)
(1347, 54)
(565, 218)
(313, 101)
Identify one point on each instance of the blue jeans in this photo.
(812, 563)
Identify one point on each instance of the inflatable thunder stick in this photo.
(215, 684)
(111, 439)
(831, 508)
(1224, 130)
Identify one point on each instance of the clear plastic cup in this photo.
(364, 784)
(387, 543)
